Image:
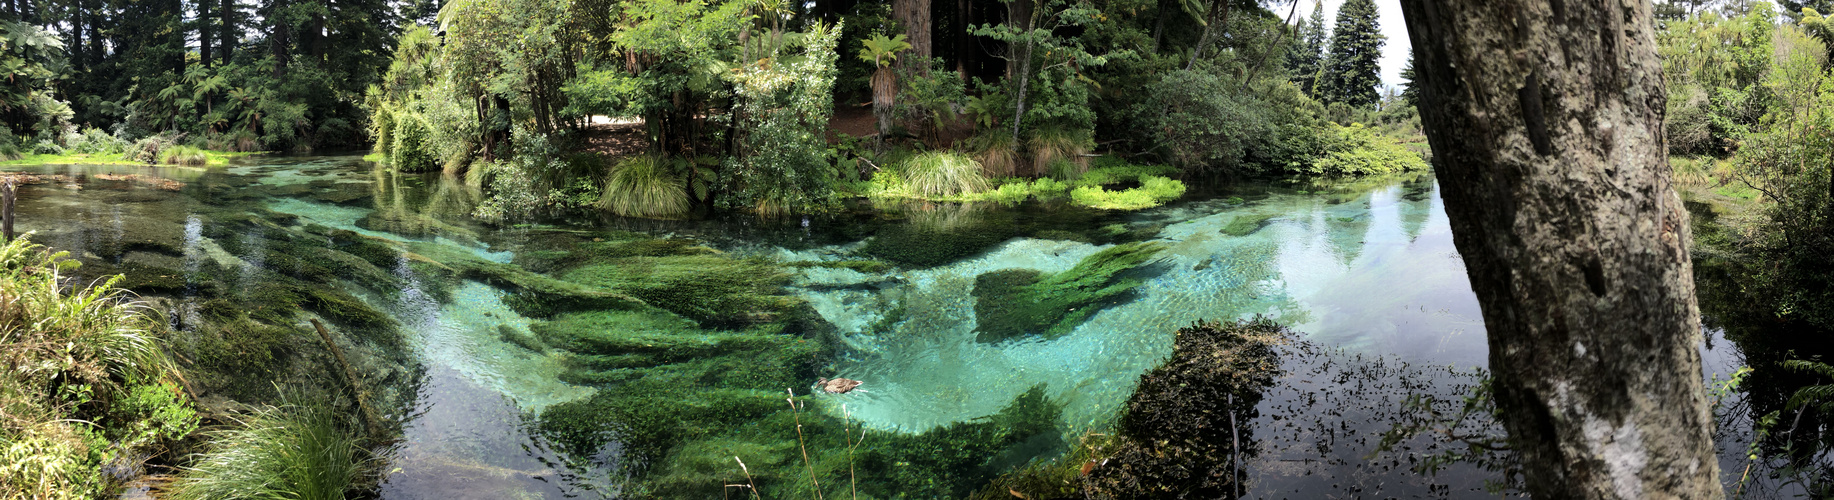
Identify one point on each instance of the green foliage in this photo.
(1017, 302)
(1306, 59)
(1352, 70)
(411, 150)
(93, 141)
(882, 51)
(184, 156)
(306, 451)
(1202, 121)
(1787, 163)
(1153, 191)
(780, 159)
(87, 379)
(1358, 150)
(642, 186)
(936, 173)
(31, 61)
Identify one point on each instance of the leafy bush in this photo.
(148, 150)
(642, 186)
(937, 173)
(1202, 119)
(93, 141)
(411, 151)
(1110, 170)
(47, 148)
(1360, 151)
(780, 161)
(77, 356)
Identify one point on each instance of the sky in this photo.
(1394, 50)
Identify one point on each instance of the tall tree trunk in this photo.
(203, 33)
(97, 51)
(914, 16)
(1545, 120)
(1217, 19)
(1017, 12)
(229, 28)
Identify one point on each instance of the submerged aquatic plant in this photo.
(1017, 302)
(938, 173)
(306, 451)
(641, 186)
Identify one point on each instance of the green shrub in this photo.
(185, 156)
(47, 148)
(642, 186)
(93, 141)
(148, 150)
(1360, 151)
(1202, 119)
(83, 381)
(382, 128)
(411, 151)
(939, 173)
(306, 452)
(1046, 186)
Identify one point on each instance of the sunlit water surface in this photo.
(1368, 273)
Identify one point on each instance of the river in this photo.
(1364, 271)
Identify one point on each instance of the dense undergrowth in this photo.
(87, 394)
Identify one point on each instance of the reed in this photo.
(937, 173)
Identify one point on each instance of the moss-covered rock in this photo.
(1017, 302)
(1178, 431)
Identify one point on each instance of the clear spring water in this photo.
(1367, 270)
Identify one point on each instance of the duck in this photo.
(837, 385)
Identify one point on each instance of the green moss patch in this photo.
(864, 266)
(1015, 303)
(715, 290)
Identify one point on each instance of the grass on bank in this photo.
(88, 394)
(955, 177)
(304, 451)
(191, 157)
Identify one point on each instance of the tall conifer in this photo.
(1303, 61)
(1352, 72)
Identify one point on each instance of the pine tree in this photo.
(1308, 51)
(1410, 93)
(1352, 72)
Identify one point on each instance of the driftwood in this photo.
(370, 421)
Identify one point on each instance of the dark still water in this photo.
(1365, 271)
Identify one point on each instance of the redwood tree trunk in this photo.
(1545, 120)
(914, 16)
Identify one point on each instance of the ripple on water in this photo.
(1366, 274)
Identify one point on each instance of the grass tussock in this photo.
(297, 451)
(937, 173)
(184, 156)
(1050, 145)
(641, 186)
(996, 153)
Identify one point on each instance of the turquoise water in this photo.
(1364, 269)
